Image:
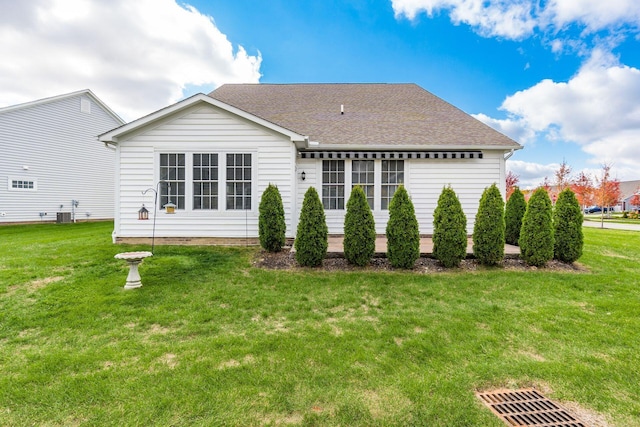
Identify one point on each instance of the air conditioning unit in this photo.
(63, 217)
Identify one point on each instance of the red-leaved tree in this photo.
(583, 188)
(608, 193)
(512, 181)
(562, 176)
(635, 200)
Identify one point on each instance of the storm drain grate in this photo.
(528, 408)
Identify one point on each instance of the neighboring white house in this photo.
(51, 157)
(628, 189)
(214, 155)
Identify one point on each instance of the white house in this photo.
(214, 155)
(51, 165)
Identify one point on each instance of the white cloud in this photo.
(516, 19)
(594, 15)
(597, 109)
(516, 129)
(510, 19)
(137, 56)
(531, 174)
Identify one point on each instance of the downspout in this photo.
(509, 154)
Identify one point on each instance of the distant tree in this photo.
(359, 229)
(567, 224)
(449, 229)
(488, 231)
(608, 192)
(271, 224)
(545, 185)
(583, 188)
(536, 237)
(312, 235)
(403, 236)
(635, 200)
(511, 183)
(514, 212)
(562, 176)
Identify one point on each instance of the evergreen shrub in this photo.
(312, 234)
(488, 231)
(536, 237)
(359, 229)
(271, 224)
(514, 212)
(567, 224)
(449, 229)
(403, 236)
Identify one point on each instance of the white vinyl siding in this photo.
(22, 184)
(424, 180)
(204, 129)
(53, 145)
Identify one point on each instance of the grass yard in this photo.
(211, 340)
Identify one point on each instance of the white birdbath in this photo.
(133, 259)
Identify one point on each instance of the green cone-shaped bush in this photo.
(271, 224)
(359, 229)
(567, 224)
(311, 237)
(488, 231)
(449, 229)
(403, 236)
(536, 237)
(514, 212)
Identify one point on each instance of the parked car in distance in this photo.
(597, 209)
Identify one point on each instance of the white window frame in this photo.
(212, 182)
(222, 182)
(23, 179)
(371, 198)
(169, 191)
(396, 184)
(242, 180)
(346, 178)
(348, 182)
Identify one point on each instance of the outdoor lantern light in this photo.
(303, 175)
(170, 208)
(143, 213)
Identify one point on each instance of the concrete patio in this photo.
(426, 246)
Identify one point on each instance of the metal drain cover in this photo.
(528, 407)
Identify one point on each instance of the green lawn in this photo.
(210, 340)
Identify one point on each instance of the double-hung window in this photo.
(362, 174)
(205, 181)
(238, 181)
(392, 177)
(172, 179)
(333, 184)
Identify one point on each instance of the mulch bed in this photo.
(285, 260)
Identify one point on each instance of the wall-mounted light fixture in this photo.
(303, 176)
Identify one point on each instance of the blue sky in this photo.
(562, 77)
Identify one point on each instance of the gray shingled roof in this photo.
(374, 114)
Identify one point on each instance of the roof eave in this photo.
(115, 135)
(409, 147)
